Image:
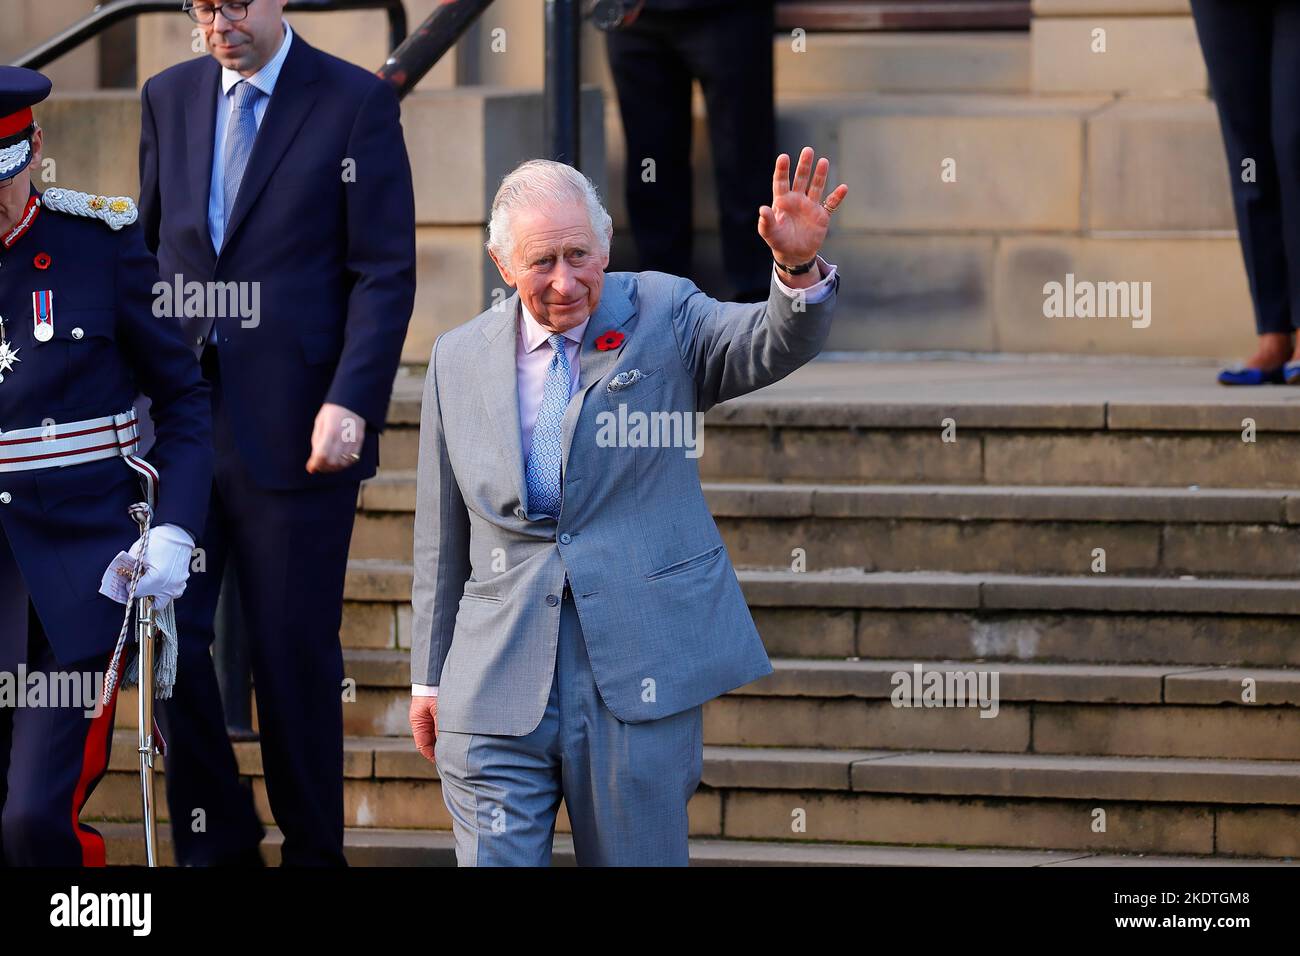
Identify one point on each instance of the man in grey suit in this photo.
(574, 604)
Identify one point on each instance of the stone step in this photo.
(1017, 681)
(390, 581)
(840, 63)
(932, 616)
(389, 847)
(1024, 801)
(996, 422)
(393, 492)
(1019, 529)
(1022, 592)
(1132, 710)
(811, 445)
(1157, 532)
(845, 443)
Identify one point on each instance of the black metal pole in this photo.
(561, 91)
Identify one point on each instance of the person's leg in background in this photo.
(729, 50)
(1285, 118)
(56, 757)
(654, 98)
(1238, 47)
(290, 551)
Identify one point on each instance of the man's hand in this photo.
(795, 225)
(424, 725)
(336, 439)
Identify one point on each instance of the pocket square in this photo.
(624, 379)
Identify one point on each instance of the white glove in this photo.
(167, 565)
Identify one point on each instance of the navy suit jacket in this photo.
(324, 222)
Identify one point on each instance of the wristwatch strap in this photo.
(797, 270)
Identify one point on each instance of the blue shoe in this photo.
(1238, 375)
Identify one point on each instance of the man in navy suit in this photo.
(79, 337)
(276, 178)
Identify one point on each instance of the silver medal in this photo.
(43, 315)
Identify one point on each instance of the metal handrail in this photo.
(409, 62)
(115, 11)
(416, 55)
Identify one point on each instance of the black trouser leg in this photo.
(654, 98)
(1285, 119)
(730, 51)
(290, 550)
(1239, 45)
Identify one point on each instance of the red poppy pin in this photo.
(609, 340)
(42, 260)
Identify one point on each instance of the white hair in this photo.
(541, 183)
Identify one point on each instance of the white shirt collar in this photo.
(535, 336)
(265, 78)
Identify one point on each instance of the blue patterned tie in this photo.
(240, 133)
(543, 471)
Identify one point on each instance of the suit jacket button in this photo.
(552, 600)
(5, 497)
(77, 334)
(199, 341)
(564, 538)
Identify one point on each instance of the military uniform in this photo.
(80, 340)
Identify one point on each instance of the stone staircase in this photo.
(1121, 734)
(955, 515)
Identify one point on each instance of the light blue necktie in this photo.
(543, 471)
(240, 133)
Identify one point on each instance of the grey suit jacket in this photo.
(665, 623)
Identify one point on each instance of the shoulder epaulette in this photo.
(117, 211)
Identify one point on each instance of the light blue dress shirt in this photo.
(264, 79)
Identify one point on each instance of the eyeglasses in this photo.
(206, 13)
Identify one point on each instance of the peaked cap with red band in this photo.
(20, 90)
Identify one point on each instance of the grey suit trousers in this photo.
(625, 786)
